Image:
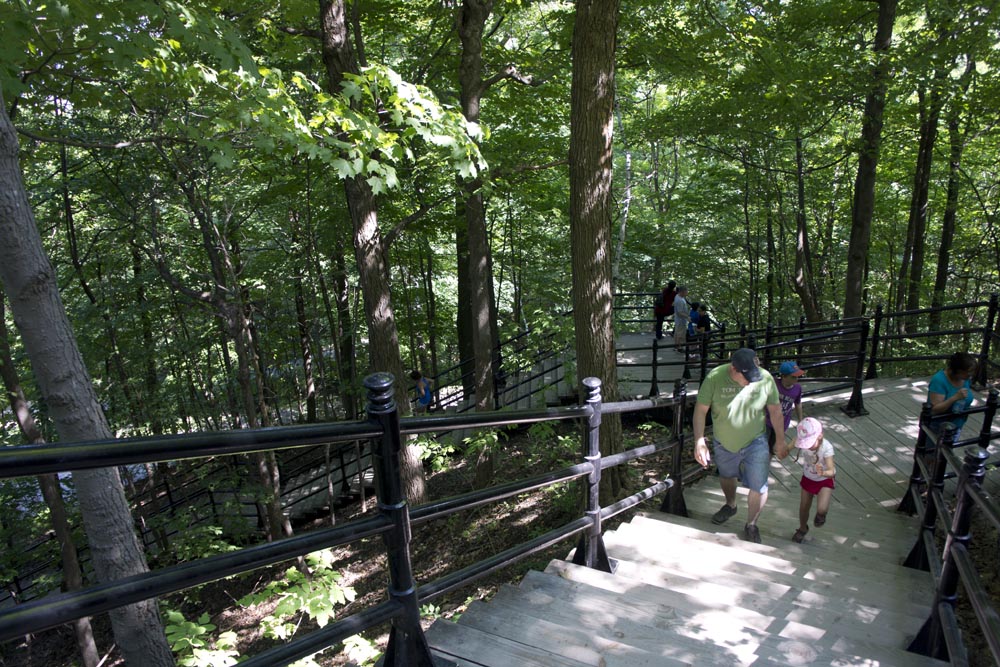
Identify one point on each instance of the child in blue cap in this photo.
(790, 394)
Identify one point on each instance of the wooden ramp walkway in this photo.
(687, 592)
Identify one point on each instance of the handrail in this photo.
(394, 522)
(940, 636)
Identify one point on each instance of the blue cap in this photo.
(791, 368)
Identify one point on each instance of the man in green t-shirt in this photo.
(739, 394)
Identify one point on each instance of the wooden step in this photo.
(798, 603)
(725, 624)
(844, 557)
(612, 615)
(481, 649)
(707, 496)
(699, 559)
(795, 603)
(563, 637)
(769, 557)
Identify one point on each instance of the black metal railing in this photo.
(935, 452)
(394, 522)
(823, 346)
(890, 330)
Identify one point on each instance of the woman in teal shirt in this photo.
(950, 389)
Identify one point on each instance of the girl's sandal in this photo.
(819, 520)
(799, 535)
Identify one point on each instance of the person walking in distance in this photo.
(682, 316)
(422, 387)
(663, 307)
(738, 394)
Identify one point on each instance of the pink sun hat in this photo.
(808, 433)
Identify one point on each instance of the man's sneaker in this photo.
(723, 515)
(751, 534)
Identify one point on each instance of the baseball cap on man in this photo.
(808, 433)
(791, 368)
(745, 361)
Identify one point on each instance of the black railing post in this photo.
(751, 341)
(855, 405)
(992, 402)
(703, 366)
(768, 339)
(802, 329)
(984, 354)
(918, 556)
(917, 480)
(876, 339)
(654, 388)
(590, 549)
(930, 640)
(673, 502)
(407, 645)
(743, 335)
(722, 342)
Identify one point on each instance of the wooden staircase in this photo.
(687, 592)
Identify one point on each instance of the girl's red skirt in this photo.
(813, 487)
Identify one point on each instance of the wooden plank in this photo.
(716, 618)
(480, 648)
(566, 639)
(882, 547)
(694, 558)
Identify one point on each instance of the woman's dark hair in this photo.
(672, 284)
(415, 375)
(961, 362)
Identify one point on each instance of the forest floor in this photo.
(437, 549)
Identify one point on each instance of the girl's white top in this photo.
(809, 459)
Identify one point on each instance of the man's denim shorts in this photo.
(750, 465)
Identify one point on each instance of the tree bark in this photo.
(864, 184)
(30, 282)
(470, 22)
(930, 112)
(51, 492)
(338, 57)
(590, 206)
(956, 140)
(804, 283)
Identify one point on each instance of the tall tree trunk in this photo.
(305, 338)
(470, 22)
(346, 354)
(51, 492)
(338, 57)
(804, 283)
(930, 112)
(590, 207)
(956, 140)
(30, 282)
(864, 184)
(626, 204)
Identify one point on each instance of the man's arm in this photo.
(701, 454)
(778, 424)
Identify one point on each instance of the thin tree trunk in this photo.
(51, 492)
(338, 57)
(956, 141)
(804, 282)
(864, 185)
(30, 282)
(346, 353)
